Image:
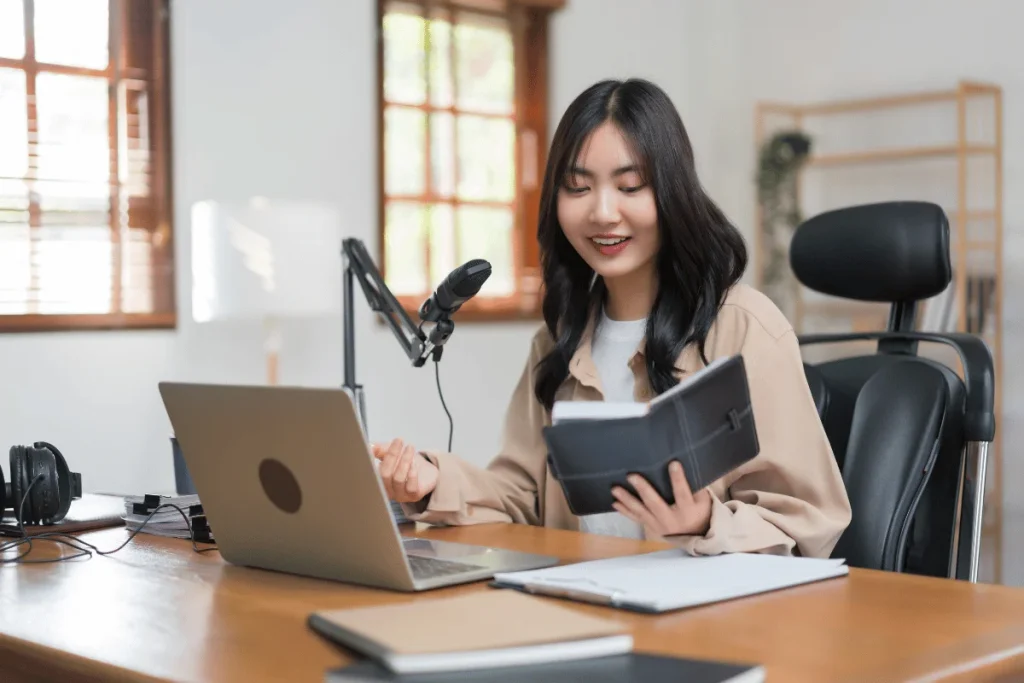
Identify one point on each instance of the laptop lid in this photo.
(288, 481)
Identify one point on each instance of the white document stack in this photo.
(672, 579)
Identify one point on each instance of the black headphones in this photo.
(41, 470)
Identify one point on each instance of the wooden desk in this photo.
(158, 611)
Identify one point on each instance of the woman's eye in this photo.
(577, 189)
(632, 189)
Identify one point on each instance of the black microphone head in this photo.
(461, 285)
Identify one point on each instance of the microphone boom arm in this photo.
(381, 300)
(414, 342)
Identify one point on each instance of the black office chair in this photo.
(910, 436)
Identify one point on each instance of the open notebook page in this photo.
(607, 410)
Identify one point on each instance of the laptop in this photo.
(289, 483)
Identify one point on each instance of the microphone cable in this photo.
(437, 376)
(64, 538)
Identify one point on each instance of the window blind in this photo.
(84, 201)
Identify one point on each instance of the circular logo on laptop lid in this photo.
(280, 485)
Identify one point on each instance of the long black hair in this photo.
(701, 253)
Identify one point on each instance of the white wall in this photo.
(278, 100)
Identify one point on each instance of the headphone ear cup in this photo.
(19, 483)
(41, 468)
(64, 490)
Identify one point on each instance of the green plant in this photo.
(779, 160)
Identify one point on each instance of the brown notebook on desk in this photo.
(91, 511)
(480, 630)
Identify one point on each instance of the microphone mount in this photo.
(417, 344)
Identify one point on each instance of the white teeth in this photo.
(608, 241)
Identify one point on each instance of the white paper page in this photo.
(595, 410)
(671, 579)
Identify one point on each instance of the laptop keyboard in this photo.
(431, 567)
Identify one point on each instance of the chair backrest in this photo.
(899, 424)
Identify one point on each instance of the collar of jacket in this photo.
(583, 369)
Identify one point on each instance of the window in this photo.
(463, 120)
(85, 225)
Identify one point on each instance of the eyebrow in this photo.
(621, 170)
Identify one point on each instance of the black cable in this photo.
(451, 423)
(67, 539)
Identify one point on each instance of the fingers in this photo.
(631, 507)
(390, 457)
(412, 483)
(652, 500)
(407, 475)
(389, 462)
(400, 479)
(680, 487)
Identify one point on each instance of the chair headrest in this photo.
(888, 251)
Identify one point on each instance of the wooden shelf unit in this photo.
(866, 315)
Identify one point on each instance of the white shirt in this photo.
(614, 343)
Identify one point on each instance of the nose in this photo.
(606, 207)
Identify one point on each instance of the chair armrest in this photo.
(979, 374)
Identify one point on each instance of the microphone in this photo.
(460, 286)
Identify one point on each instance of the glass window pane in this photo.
(13, 195)
(75, 269)
(404, 69)
(487, 233)
(442, 154)
(485, 70)
(12, 29)
(442, 242)
(15, 248)
(74, 141)
(405, 232)
(13, 124)
(136, 274)
(15, 255)
(74, 256)
(56, 197)
(72, 32)
(405, 132)
(440, 63)
(486, 159)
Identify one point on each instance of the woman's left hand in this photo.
(689, 515)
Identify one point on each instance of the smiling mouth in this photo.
(608, 241)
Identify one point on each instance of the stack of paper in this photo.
(167, 521)
(672, 579)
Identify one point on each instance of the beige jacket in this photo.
(790, 499)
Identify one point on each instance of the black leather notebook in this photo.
(705, 422)
(628, 668)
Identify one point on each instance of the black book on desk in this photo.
(706, 422)
(625, 668)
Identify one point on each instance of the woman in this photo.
(641, 279)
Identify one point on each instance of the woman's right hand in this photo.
(407, 476)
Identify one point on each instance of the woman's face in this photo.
(606, 211)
